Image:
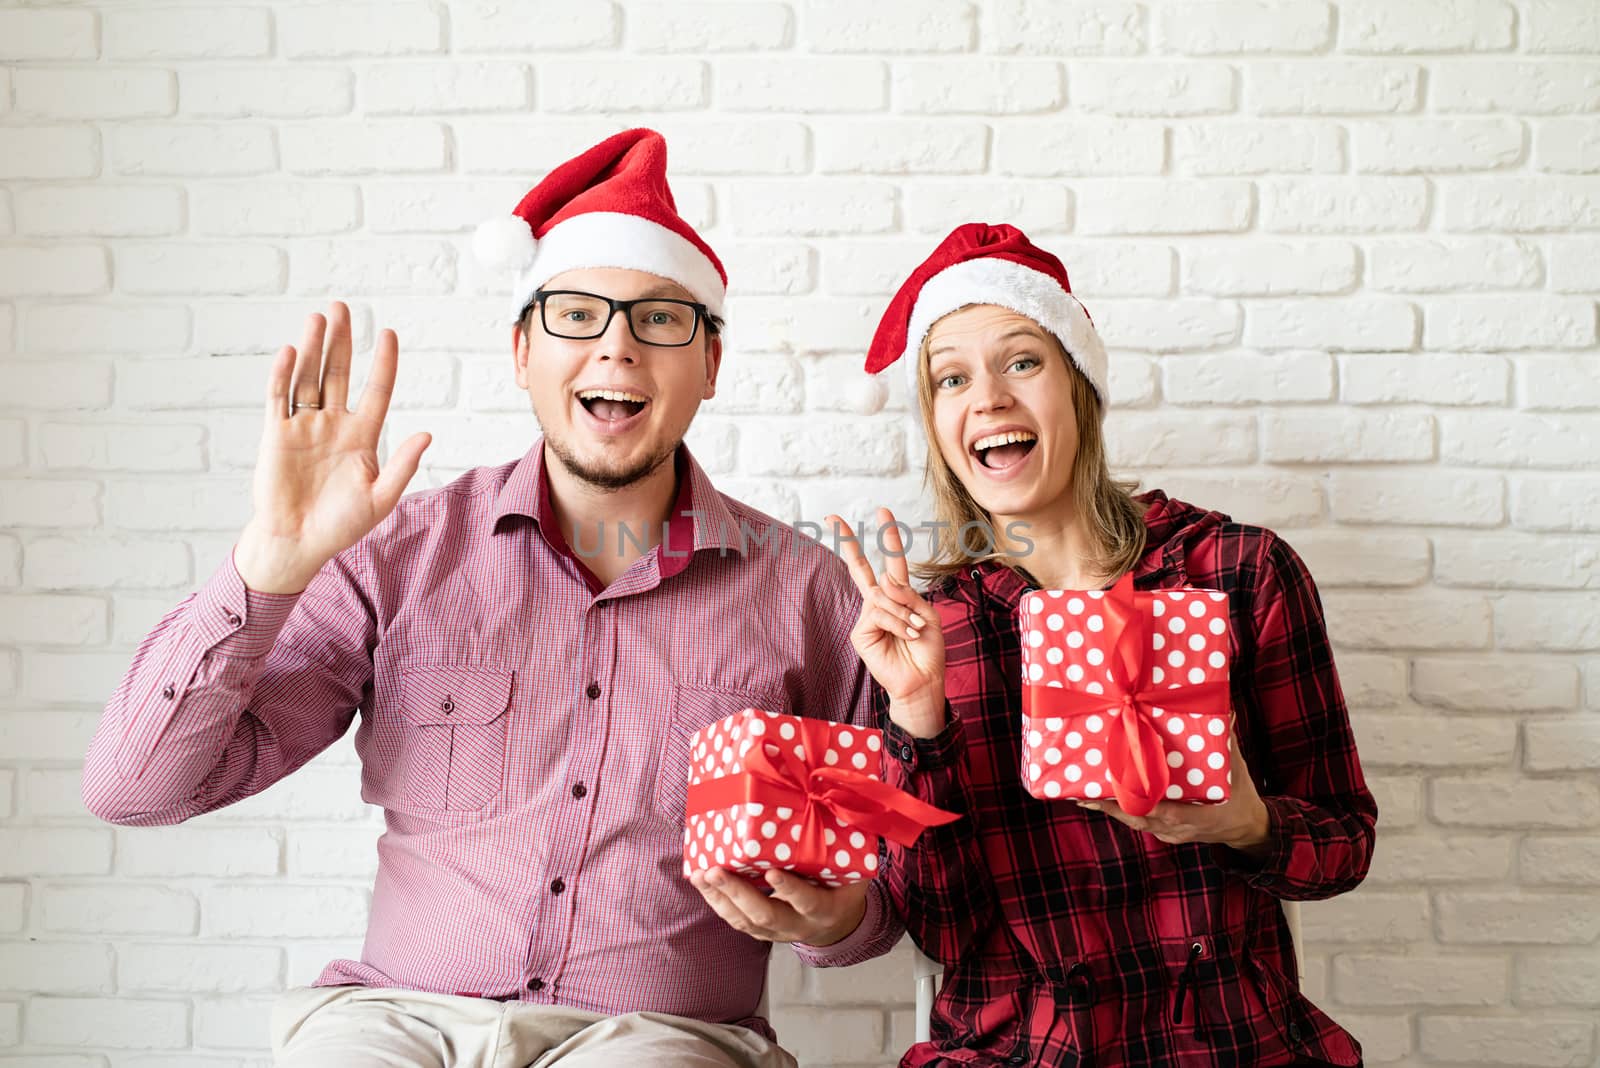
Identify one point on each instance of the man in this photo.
(530, 649)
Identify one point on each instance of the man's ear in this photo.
(519, 354)
(713, 365)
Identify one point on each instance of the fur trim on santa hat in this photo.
(613, 239)
(609, 206)
(1010, 285)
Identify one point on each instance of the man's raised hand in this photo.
(318, 487)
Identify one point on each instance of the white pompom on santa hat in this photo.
(610, 206)
(983, 264)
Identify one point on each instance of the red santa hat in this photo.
(610, 206)
(983, 264)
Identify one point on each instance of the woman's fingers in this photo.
(1116, 812)
(889, 603)
(1236, 756)
(899, 628)
(854, 558)
(898, 619)
(907, 598)
(894, 548)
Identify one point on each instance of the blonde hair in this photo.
(1113, 519)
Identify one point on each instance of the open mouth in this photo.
(1000, 451)
(612, 405)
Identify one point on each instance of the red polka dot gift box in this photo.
(769, 790)
(1125, 695)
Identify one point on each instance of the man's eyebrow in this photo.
(656, 292)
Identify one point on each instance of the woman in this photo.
(1074, 932)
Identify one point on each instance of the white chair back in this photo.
(926, 972)
(1291, 912)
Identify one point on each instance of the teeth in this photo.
(611, 394)
(1010, 437)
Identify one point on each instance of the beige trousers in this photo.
(362, 1027)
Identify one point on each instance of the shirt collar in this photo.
(522, 492)
(700, 517)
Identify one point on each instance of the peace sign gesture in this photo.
(898, 636)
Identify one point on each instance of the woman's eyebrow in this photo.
(1017, 331)
(1021, 331)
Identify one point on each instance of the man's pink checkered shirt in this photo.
(525, 734)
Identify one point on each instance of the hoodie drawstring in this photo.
(1187, 981)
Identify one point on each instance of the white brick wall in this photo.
(1346, 255)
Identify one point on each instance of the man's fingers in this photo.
(752, 904)
(815, 902)
(724, 908)
(336, 369)
(400, 469)
(722, 904)
(307, 388)
(278, 384)
(374, 406)
(799, 894)
(797, 910)
(854, 558)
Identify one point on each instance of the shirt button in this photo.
(169, 691)
(579, 790)
(447, 706)
(233, 619)
(1295, 1033)
(906, 752)
(557, 886)
(593, 691)
(536, 985)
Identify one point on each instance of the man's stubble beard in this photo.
(609, 477)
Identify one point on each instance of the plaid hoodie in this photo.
(1071, 939)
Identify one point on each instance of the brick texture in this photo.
(1343, 253)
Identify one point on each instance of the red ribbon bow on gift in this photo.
(852, 797)
(1135, 755)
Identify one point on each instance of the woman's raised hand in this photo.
(898, 635)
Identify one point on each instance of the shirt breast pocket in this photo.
(453, 746)
(694, 707)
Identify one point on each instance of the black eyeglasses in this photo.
(659, 321)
